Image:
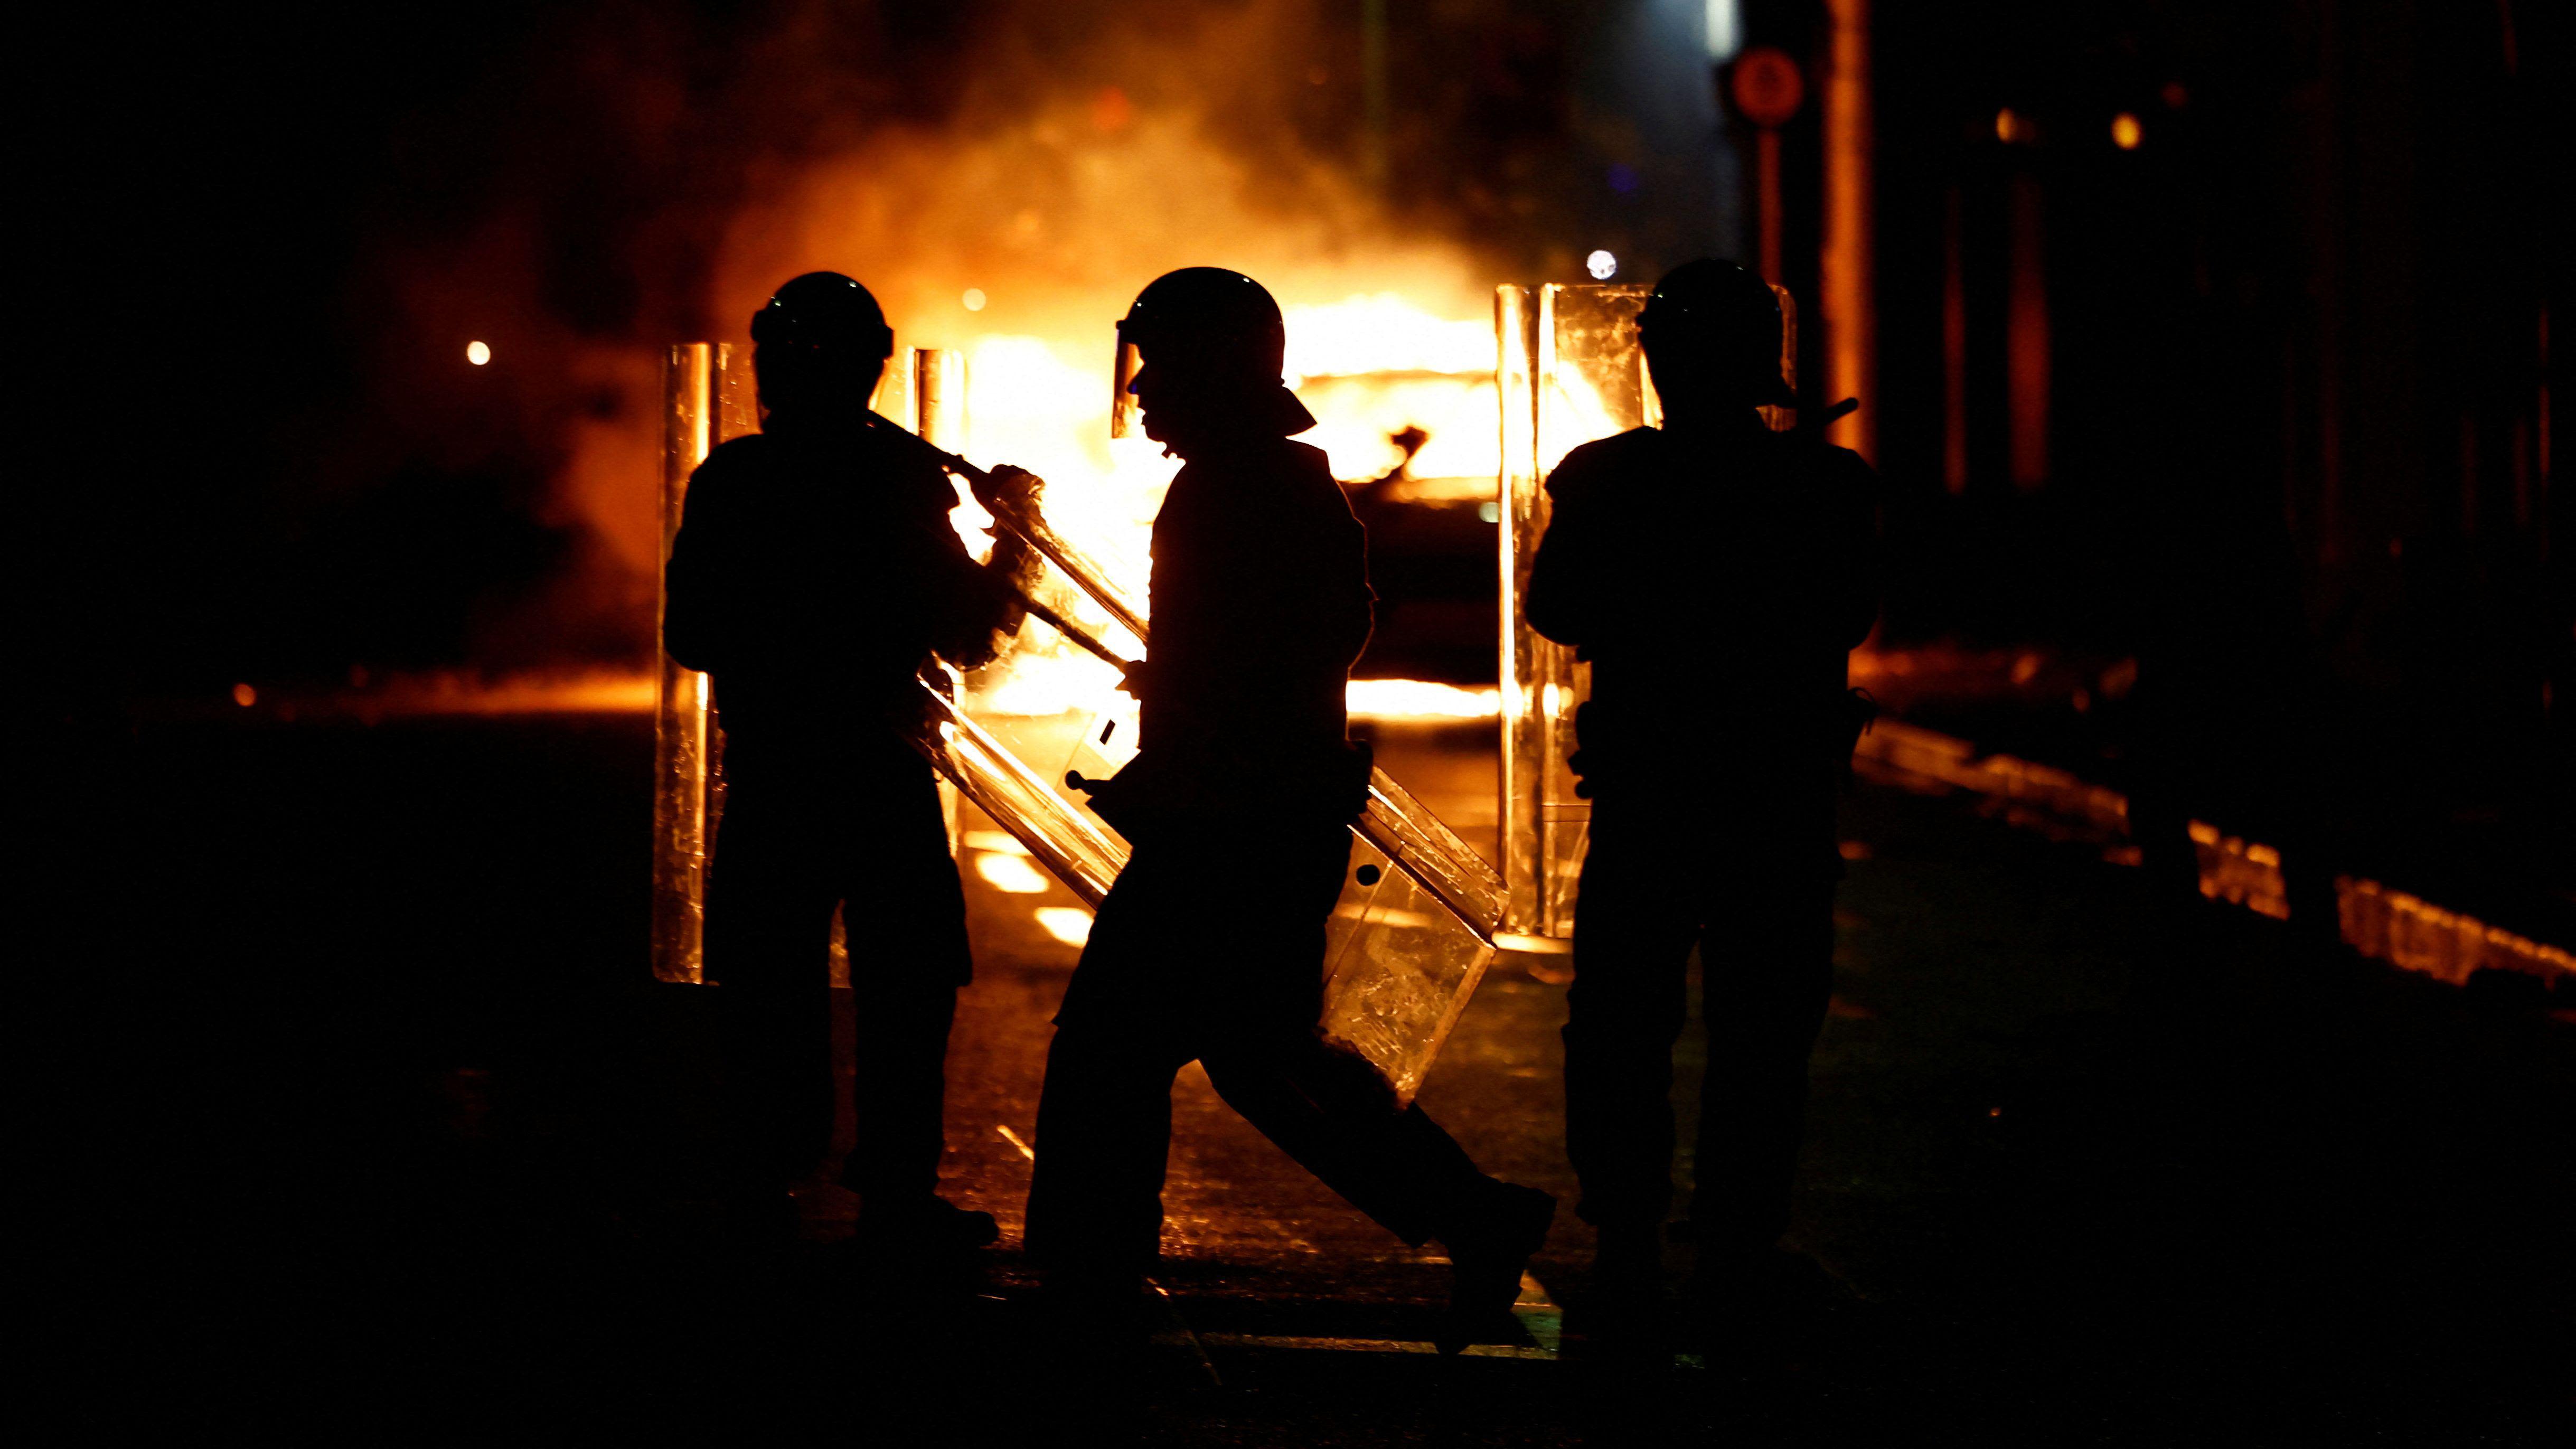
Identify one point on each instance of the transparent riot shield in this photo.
(1569, 370)
(708, 398)
(1413, 931)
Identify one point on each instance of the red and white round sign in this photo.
(1767, 85)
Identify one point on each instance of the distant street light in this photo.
(1602, 266)
(477, 353)
(2125, 131)
(1725, 28)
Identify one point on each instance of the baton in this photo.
(1074, 632)
(1832, 415)
(942, 456)
(1039, 537)
(1030, 528)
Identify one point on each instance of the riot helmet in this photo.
(824, 310)
(1714, 323)
(1218, 333)
(820, 341)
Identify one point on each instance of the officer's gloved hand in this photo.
(1006, 489)
(1008, 492)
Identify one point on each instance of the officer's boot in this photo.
(928, 1224)
(1488, 1256)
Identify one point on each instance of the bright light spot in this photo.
(1725, 30)
(974, 299)
(1552, 701)
(1000, 842)
(1011, 874)
(2012, 127)
(1489, 511)
(2125, 132)
(245, 696)
(1602, 266)
(1381, 331)
(1049, 684)
(1420, 699)
(1069, 924)
(477, 353)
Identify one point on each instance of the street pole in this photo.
(1767, 89)
(1851, 361)
(1766, 174)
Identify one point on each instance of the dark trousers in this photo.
(1210, 948)
(803, 833)
(1750, 881)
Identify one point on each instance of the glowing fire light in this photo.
(1069, 924)
(974, 299)
(1368, 366)
(1011, 874)
(2125, 131)
(1389, 699)
(245, 696)
(477, 353)
(1043, 694)
(1602, 266)
(1382, 332)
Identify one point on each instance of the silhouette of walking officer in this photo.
(1716, 574)
(1210, 946)
(814, 573)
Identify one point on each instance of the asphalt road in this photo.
(403, 1145)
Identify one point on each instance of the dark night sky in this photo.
(282, 467)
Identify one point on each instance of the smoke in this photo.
(1069, 165)
(578, 185)
(1059, 216)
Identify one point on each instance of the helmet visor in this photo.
(1126, 415)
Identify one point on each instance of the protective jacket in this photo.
(1716, 585)
(1261, 604)
(814, 573)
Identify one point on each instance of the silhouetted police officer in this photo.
(814, 574)
(1238, 805)
(1716, 574)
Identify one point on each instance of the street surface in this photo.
(2085, 1167)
